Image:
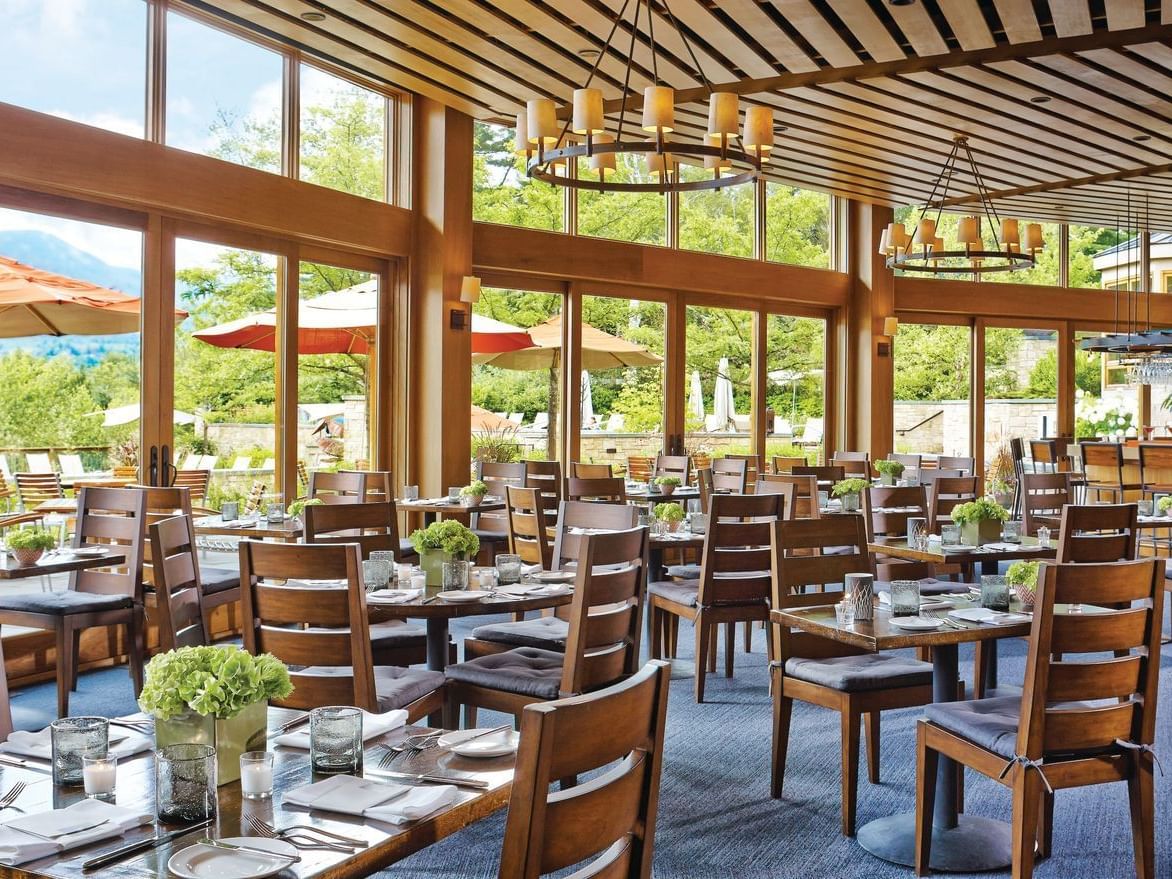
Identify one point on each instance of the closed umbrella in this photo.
(724, 405)
(587, 410)
(696, 397)
(119, 415)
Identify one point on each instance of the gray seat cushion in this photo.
(487, 536)
(526, 671)
(62, 603)
(929, 586)
(406, 550)
(683, 592)
(684, 572)
(990, 723)
(868, 671)
(394, 687)
(218, 580)
(546, 633)
(397, 633)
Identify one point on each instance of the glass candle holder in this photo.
(454, 494)
(905, 598)
(335, 739)
(508, 568)
(823, 500)
(403, 573)
(275, 511)
(1011, 532)
(1044, 536)
(74, 738)
(185, 783)
(844, 614)
(917, 532)
(994, 592)
(860, 591)
(455, 574)
(230, 511)
(699, 523)
(949, 534)
(376, 573)
(418, 580)
(410, 492)
(1144, 508)
(256, 775)
(98, 775)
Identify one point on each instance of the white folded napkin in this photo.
(989, 617)
(393, 596)
(64, 829)
(528, 570)
(1012, 547)
(529, 589)
(379, 800)
(373, 725)
(123, 743)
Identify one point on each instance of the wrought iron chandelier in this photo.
(926, 251)
(553, 150)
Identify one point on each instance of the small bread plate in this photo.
(204, 862)
(495, 745)
(459, 595)
(916, 624)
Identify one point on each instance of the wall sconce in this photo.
(890, 330)
(470, 293)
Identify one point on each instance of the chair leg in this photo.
(979, 663)
(470, 716)
(673, 634)
(782, 709)
(1046, 825)
(850, 767)
(748, 637)
(73, 672)
(703, 653)
(730, 639)
(1027, 801)
(712, 639)
(926, 763)
(136, 636)
(871, 724)
(655, 630)
(1141, 797)
(451, 719)
(65, 662)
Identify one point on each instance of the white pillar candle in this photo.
(403, 573)
(256, 779)
(98, 777)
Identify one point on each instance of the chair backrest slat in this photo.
(585, 515)
(36, 488)
(674, 465)
(582, 470)
(735, 563)
(852, 463)
(824, 473)
(372, 525)
(178, 590)
(528, 534)
(1098, 533)
(786, 463)
(948, 493)
(114, 516)
(610, 490)
(886, 509)
(965, 464)
(804, 504)
(344, 487)
(1043, 497)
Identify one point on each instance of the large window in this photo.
(1106, 404)
(223, 95)
(716, 220)
(1021, 386)
(797, 226)
(501, 191)
(718, 380)
(343, 135)
(638, 217)
(80, 61)
(795, 418)
(932, 375)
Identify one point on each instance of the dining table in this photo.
(650, 494)
(961, 843)
(60, 561)
(289, 529)
(385, 843)
(433, 508)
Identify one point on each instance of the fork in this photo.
(307, 842)
(394, 752)
(260, 824)
(7, 801)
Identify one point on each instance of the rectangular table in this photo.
(432, 511)
(288, 530)
(57, 563)
(388, 843)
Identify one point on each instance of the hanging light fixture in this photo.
(984, 242)
(546, 143)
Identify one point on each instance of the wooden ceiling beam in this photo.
(1058, 185)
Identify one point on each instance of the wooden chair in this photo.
(1084, 718)
(528, 531)
(1044, 455)
(337, 488)
(804, 504)
(196, 482)
(785, 489)
(640, 468)
(947, 494)
(580, 470)
(1107, 456)
(179, 612)
(786, 463)
(602, 645)
(674, 465)
(618, 730)
(826, 474)
(323, 634)
(752, 466)
(547, 476)
(96, 597)
(1155, 468)
(1098, 533)
(857, 684)
(852, 463)
(1043, 495)
(734, 585)
(611, 490)
(380, 485)
(886, 510)
(37, 488)
(965, 465)
(587, 516)
(729, 475)
(493, 528)
(910, 462)
(706, 485)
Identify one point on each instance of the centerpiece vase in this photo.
(231, 736)
(850, 502)
(887, 479)
(980, 532)
(431, 562)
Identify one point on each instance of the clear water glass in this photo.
(699, 523)
(185, 783)
(410, 492)
(1044, 536)
(917, 532)
(376, 573)
(383, 555)
(1011, 532)
(230, 511)
(1145, 508)
(823, 500)
(905, 598)
(995, 592)
(455, 574)
(844, 614)
(275, 511)
(454, 494)
(508, 568)
(335, 739)
(74, 738)
(949, 535)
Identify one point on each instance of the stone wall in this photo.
(943, 427)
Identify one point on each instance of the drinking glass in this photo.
(1011, 532)
(911, 477)
(335, 739)
(376, 573)
(455, 574)
(905, 598)
(1145, 508)
(994, 592)
(256, 775)
(73, 738)
(383, 555)
(230, 511)
(275, 511)
(1044, 536)
(860, 590)
(844, 613)
(98, 775)
(454, 494)
(410, 492)
(403, 573)
(508, 568)
(185, 783)
(917, 532)
(823, 500)
(950, 535)
(699, 523)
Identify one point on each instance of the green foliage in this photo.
(298, 506)
(496, 446)
(447, 536)
(46, 402)
(476, 488)
(669, 512)
(1023, 573)
(673, 481)
(979, 510)
(1164, 503)
(849, 486)
(220, 681)
(889, 468)
(31, 538)
(501, 192)
(1088, 376)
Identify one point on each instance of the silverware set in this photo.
(302, 836)
(8, 801)
(143, 726)
(409, 747)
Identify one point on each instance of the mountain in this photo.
(46, 251)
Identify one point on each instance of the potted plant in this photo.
(889, 471)
(980, 521)
(1023, 577)
(214, 696)
(474, 492)
(29, 544)
(1001, 478)
(848, 491)
(670, 514)
(1162, 505)
(441, 542)
(668, 484)
(298, 506)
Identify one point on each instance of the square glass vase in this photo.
(981, 532)
(230, 737)
(431, 562)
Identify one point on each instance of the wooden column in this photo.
(1066, 346)
(759, 360)
(440, 390)
(977, 394)
(570, 427)
(156, 347)
(868, 383)
(285, 373)
(674, 367)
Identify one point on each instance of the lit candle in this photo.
(256, 775)
(419, 580)
(403, 573)
(98, 774)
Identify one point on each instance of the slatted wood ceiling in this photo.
(1067, 103)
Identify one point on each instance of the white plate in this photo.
(496, 745)
(87, 551)
(458, 595)
(984, 615)
(916, 623)
(553, 577)
(204, 862)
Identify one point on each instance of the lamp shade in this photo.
(1033, 237)
(470, 289)
(891, 326)
(966, 232)
(758, 129)
(925, 232)
(521, 144)
(884, 241)
(659, 109)
(658, 163)
(897, 237)
(716, 163)
(723, 113)
(1009, 232)
(541, 121)
(587, 112)
(602, 161)
(938, 245)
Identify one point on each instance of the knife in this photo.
(216, 843)
(24, 764)
(436, 779)
(141, 846)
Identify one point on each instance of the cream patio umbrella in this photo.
(599, 351)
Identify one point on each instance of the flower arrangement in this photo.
(845, 487)
(212, 681)
(890, 468)
(1023, 577)
(28, 544)
(669, 481)
(474, 489)
(1163, 505)
(669, 512)
(981, 510)
(448, 536)
(298, 506)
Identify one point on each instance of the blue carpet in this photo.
(716, 818)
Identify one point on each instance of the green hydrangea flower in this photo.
(217, 681)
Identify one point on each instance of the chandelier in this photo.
(553, 149)
(926, 250)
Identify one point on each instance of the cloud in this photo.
(117, 247)
(109, 121)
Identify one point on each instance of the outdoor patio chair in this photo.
(71, 465)
(38, 462)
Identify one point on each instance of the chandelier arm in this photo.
(607, 44)
(986, 203)
(687, 45)
(936, 185)
(651, 36)
(627, 74)
(950, 170)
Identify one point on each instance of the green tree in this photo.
(46, 402)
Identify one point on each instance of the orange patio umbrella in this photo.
(484, 421)
(35, 302)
